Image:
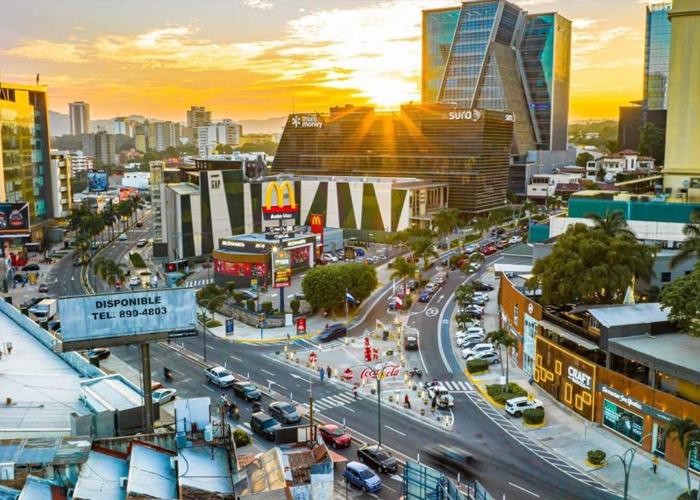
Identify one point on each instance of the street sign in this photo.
(261, 319)
(229, 325)
(254, 285)
(301, 326)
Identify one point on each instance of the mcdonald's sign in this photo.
(280, 211)
(316, 223)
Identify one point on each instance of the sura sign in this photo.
(464, 114)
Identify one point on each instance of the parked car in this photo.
(377, 458)
(333, 332)
(489, 249)
(468, 353)
(248, 295)
(334, 436)
(162, 396)
(247, 391)
(329, 257)
(491, 356)
(482, 287)
(471, 330)
(30, 302)
(514, 240)
(517, 406)
(362, 477)
(141, 243)
(135, 281)
(360, 252)
(472, 340)
(481, 295)
(439, 279)
(479, 301)
(43, 288)
(473, 308)
(99, 353)
(424, 296)
(265, 425)
(220, 376)
(340, 254)
(284, 412)
(432, 287)
(31, 267)
(411, 344)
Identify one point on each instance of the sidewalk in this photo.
(570, 436)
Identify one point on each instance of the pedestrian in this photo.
(654, 462)
(407, 402)
(354, 390)
(434, 403)
(322, 373)
(329, 372)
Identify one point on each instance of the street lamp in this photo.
(205, 306)
(627, 458)
(511, 206)
(379, 368)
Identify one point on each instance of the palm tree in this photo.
(529, 206)
(425, 248)
(554, 202)
(691, 245)
(108, 270)
(464, 295)
(82, 249)
(109, 217)
(495, 218)
(444, 221)
(501, 338)
(686, 431)
(481, 225)
(613, 224)
(403, 270)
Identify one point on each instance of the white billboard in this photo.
(101, 320)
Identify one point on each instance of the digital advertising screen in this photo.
(97, 180)
(14, 220)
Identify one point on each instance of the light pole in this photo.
(512, 207)
(627, 458)
(205, 306)
(378, 368)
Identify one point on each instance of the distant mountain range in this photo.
(60, 124)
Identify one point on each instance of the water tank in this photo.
(208, 433)
(181, 439)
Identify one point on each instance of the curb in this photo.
(596, 466)
(271, 341)
(535, 426)
(482, 391)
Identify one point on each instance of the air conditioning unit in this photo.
(122, 482)
(173, 464)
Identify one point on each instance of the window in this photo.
(515, 314)
(665, 277)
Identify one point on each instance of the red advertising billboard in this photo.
(317, 228)
(14, 220)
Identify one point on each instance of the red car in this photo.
(334, 436)
(488, 250)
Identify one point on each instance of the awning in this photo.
(337, 457)
(589, 346)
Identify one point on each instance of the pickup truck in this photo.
(443, 398)
(45, 310)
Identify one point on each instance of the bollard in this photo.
(391, 398)
(422, 412)
(420, 393)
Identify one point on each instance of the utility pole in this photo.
(379, 404)
(147, 397)
(311, 411)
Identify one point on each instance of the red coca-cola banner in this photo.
(389, 371)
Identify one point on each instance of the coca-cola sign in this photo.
(389, 371)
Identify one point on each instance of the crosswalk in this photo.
(197, 283)
(456, 385)
(329, 402)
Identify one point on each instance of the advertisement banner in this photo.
(624, 422)
(97, 180)
(281, 269)
(14, 220)
(112, 319)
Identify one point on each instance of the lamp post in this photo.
(379, 368)
(205, 306)
(512, 207)
(627, 458)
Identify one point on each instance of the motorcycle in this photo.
(167, 373)
(233, 412)
(416, 373)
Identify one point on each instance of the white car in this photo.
(439, 279)
(329, 257)
(162, 396)
(481, 295)
(122, 237)
(442, 396)
(467, 353)
(470, 339)
(471, 248)
(490, 356)
(135, 281)
(517, 406)
(432, 287)
(514, 240)
(220, 376)
(469, 331)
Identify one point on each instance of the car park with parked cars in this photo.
(468, 353)
(516, 406)
(220, 376)
(491, 356)
(482, 287)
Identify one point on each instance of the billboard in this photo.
(127, 318)
(280, 211)
(14, 220)
(625, 422)
(282, 269)
(97, 180)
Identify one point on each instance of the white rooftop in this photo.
(632, 314)
(112, 392)
(100, 476)
(43, 388)
(36, 488)
(205, 469)
(150, 473)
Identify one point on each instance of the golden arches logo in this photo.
(316, 220)
(280, 189)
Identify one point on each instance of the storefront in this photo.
(567, 377)
(520, 316)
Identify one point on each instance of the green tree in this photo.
(224, 149)
(600, 174)
(686, 431)
(588, 266)
(109, 219)
(360, 279)
(481, 225)
(495, 218)
(464, 295)
(423, 248)
(682, 297)
(211, 296)
(324, 287)
(610, 146)
(445, 221)
(512, 196)
(613, 224)
(403, 270)
(267, 147)
(691, 245)
(554, 202)
(82, 249)
(501, 338)
(108, 270)
(652, 142)
(583, 159)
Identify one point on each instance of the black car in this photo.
(412, 285)
(31, 267)
(481, 287)
(284, 412)
(247, 391)
(378, 458)
(333, 332)
(18, 278)
(452, 458)
(411, 343)
(30, 302)
(99, 354)
(264, 425)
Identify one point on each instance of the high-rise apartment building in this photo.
(101, 147)
(491, 54)
(60, 183)
(197, 116)
(79, 117)
(124, 126)
(25, 161)
(163, 135)
(226, 132)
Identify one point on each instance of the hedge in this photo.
(477, 365)
(500, 397)
(596, 457)
(238, 297)
(294, 305)
(137, 260)
(241, 438)
(250, 303)
(230, 286)
(533, 416)
(266, 307)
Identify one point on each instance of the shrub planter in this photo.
(533, 417)
(596, 459)
(692, 495)
(496, 392)
(475, 366)
(373, 390)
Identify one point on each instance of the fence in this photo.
(423, 483)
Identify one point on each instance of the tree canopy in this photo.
(583, 159)
(652, 142)
(613, 224)
(682, 298)
(445, 221)
(691, 245)
(588, 266)
(324, 286)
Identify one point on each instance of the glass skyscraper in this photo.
(657, 53)
(491, 55)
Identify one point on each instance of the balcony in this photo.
(62, 177)
(63, 189)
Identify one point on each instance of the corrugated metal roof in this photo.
(634, 314)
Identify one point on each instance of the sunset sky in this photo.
(246, 59)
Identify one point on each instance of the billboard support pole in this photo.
(147, 398)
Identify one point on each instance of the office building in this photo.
(80, 163)
(657, 53)
(60, 183)
(79, 117)
(682, 168)
(466, 149)
(100, 146)
(25, 161)
(123, 125)
(163, 135)
(209, 136)
(493, 55)
(197, 117)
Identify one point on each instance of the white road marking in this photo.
(237, 359)
(211, 347)
(392, 429)
(349, 409)
(269, 373)
(278, 385)
(208, 388)
(178, 371)
(441, 297)
(521, 488)
(388, 488)
(440, 347)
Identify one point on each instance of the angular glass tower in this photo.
(490, 54)
(657, 54)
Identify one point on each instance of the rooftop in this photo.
(100, 478)
(112, 392)
(49, 451)
(632, 314)
(150, 472)
(184, 188)
(205, 469)
(265, 473)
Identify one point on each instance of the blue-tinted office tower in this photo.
(491, 54)
(657, 53)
